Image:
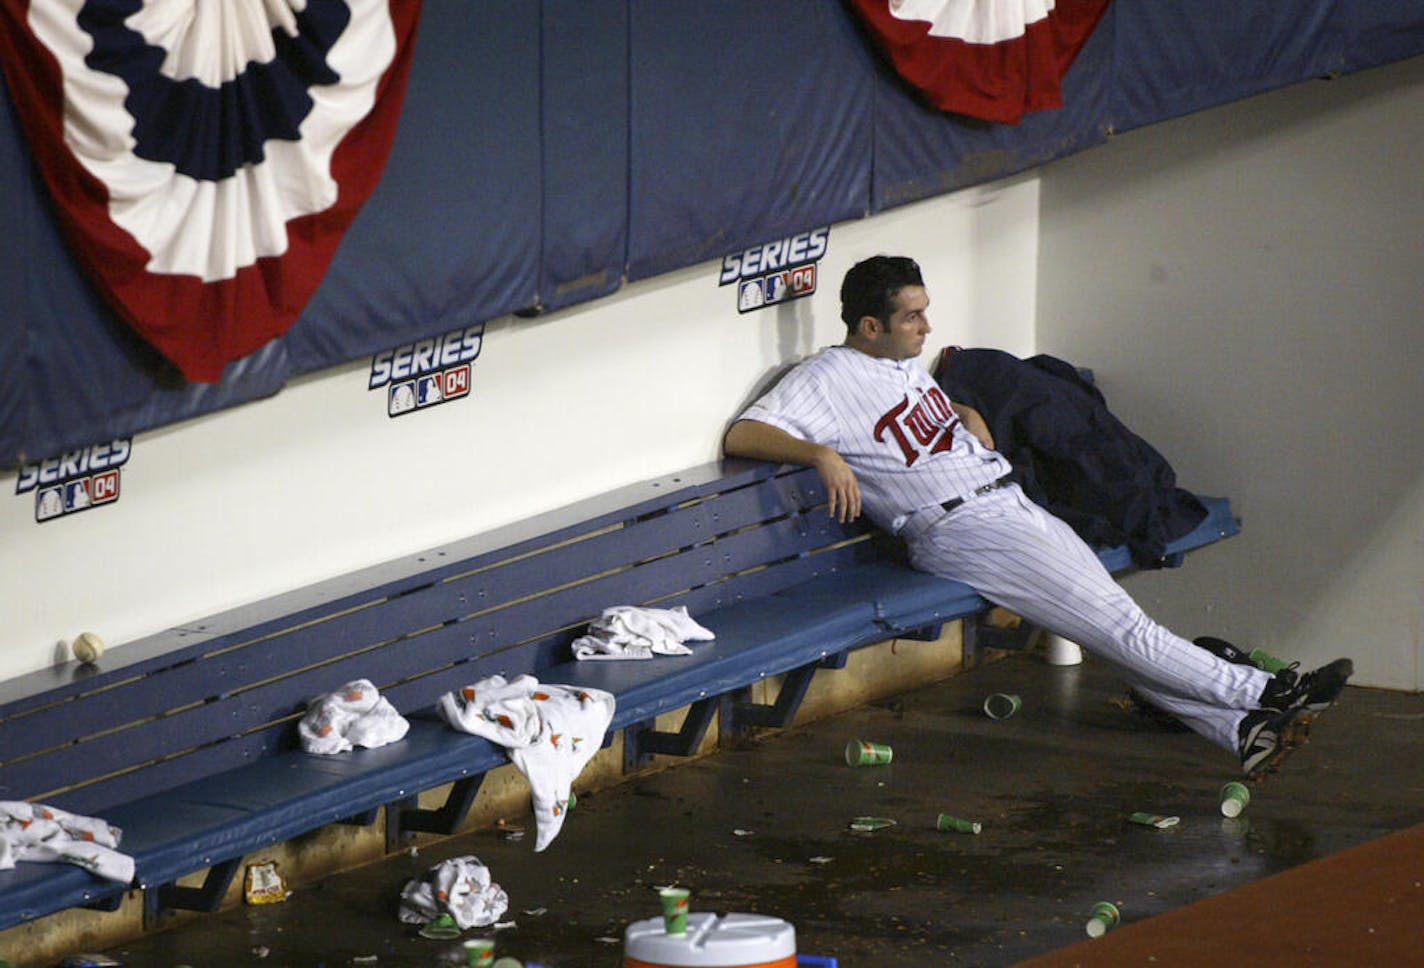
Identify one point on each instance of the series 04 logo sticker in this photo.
(76, 480)
(775, 272)
(427, 372)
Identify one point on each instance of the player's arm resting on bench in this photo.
(761, 441)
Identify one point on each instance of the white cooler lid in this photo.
(711, 941)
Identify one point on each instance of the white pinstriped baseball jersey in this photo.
(891, 423)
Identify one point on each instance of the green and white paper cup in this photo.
(1002, 705)
(859, 752)
(479, 953)
(675, 905)
(948, 823)
(1234, 797)
(1267, 662)
(1104, 918)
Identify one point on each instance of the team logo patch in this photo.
(775, 272)
(427, 372)
(206, 156)
(75, 481)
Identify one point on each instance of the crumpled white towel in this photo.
(354, 715)
(460, 887)
(633, 632)
(35, 832)
(549, 731)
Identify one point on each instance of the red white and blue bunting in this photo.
(988, 59)
(205, 157)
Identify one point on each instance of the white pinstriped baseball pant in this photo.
(1017, 555)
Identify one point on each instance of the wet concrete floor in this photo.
(765, 829)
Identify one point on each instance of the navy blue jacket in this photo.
(1070, 454)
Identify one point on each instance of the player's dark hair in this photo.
(869, 287)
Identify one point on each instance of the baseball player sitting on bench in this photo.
(885, 439)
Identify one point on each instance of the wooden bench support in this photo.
(641, 741)
(929, 633)
(979, 635)
(405, 818)
(161, 900)
(740, 715)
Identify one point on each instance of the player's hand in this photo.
(842, 489)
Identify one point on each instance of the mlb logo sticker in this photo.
(428, 391)
(76, 495)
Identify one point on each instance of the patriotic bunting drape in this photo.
(989, 59)
(206, 156)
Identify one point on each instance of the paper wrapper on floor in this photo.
(354, 715)
(550, 731)
(460, 887)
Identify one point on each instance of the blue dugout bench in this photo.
(187, 739)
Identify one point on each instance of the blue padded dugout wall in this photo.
(749, 120)
(547, 152)
(451, 236)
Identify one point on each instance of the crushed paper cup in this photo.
(864, 824)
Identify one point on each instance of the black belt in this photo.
(955, 502)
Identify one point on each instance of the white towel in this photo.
(460, 887)
(35, 832)
(633, 632)
(550, 732)
(354, 715)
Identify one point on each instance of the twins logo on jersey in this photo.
(775, 272)
(928, 423)
(427, 372)
(75, 481)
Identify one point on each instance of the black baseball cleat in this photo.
(1312, 691)
(1267, 736)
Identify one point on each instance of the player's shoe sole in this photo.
(1271, 738)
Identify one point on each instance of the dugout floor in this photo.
(765, 830)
